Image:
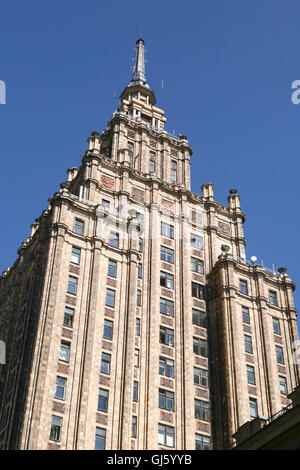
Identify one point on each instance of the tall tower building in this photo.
(131, 318)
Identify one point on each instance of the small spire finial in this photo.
(138, 77)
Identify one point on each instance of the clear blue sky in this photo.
(227, 68)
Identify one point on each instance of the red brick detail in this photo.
(204, 427)
(138, 194)
(167, 205)
(201, 361)
(166, 382)
(200, 331)
(168, 267)
(101, 419)
(249, 358)
(106, 345)
(167, 320)
(67, 333)
(52, 446)
(247, 328)
(252, 390)
(104, 381)
(224, 228)
(199, 304)
(281, 369)
(199, 278)
(167, 293)
(198, 253)
(70, 300)
(153, 144)
(74, 269)
(200, 392)
(167, 351)
(111, 282)
(107, 182)
(277, 339)
(63, 368)
(109, 313)
(165, 416)
(59, 407)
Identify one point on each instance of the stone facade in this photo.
(133, 254)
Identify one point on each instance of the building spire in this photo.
(138, 77)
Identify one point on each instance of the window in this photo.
(250, 375)
(137, 327)
(106, 205)
(166, 367)
(78, 226)
(110, 298)
(114, 239)
(166, 435)
(196, 241)
(100, 439)
(166, 336)
(197, 265)
(130, 151)
(167, 307)
(202, 442)
(134, 427)
(60, 388)
(199, 318)
(243, 287)
(166, 280)
(135, 390)
(200, 347)
(75, 256)
(166, 400)
(198, 291)
(139, 298)
(72, 285)
(136, 358)
(141, 244)
(202, 410)
(64, 354)
(282, 385)
(246, 315)
(140, 270)
(105, 363)
(55, 430)
(173, 171)
(253, 407)
(276, 326)
(167, 230)
(68, 317)
(200, 377)
(273, 297)
(112, 268)
(103, 400)
(108, 329)
(166, 254)
(248, 344)
(279, 354)
(151, 166)
(140, 218)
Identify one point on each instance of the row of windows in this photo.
(272, 294)
(251, 379)
(275, 321)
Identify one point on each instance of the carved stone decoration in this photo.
(52, 446)
(109, 313)
(200, 331)
(106, 345)
(199, 303)
(165, 416)
(111, 282)
(70, 300)
(204, 427)
(200, 392)
(168, 267)
(166, 383)
(247, 328)
(174, 153)
(63, 368)
(153, 144)
(104, 380)
(167, 351)
(59, 407)
(107, 182)
(130, 134)
(67, 333)
(201, 361)
(101, 418)
(167, 320)
(252, 390)
(74, 269)
(138, 194)
(167, 293)
(224, 228)
(167, 205)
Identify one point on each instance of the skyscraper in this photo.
(132, 318)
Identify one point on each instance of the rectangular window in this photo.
(202, 410)
(248, 344)
(110, 298)
(151, 166)
(108, 329)
(200, 377)
(166, 254)
(246, 315)
(134, 427)
(166, 367)
(135, 391)
(243, 287)
(78, 226)
(139, 298)
(141, 244)
(200, 347)
(100, 439)
(75, 256)
(196, 241)
(106, 205)
(60, 389)
(72, 285)
(140, 270)
(69, 317)
(273, 297)
(253, 407)
(64, 354)
(279, 354)
(165, 435)
(140, 218)
(276, 326)
(55, 431)
(197, 265)
(166, 400)
(136, 358)
(174, 171)
(282, 385)
(199, 318)
(137, 327)
(112, 268)
(103, 400)
(167, 307)
(105, 363)
(114, 239)
(250, 375)
(166, 280)
(166, 336)
(130, 151)
(202, 442)
(167, 230)
(198, 291)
